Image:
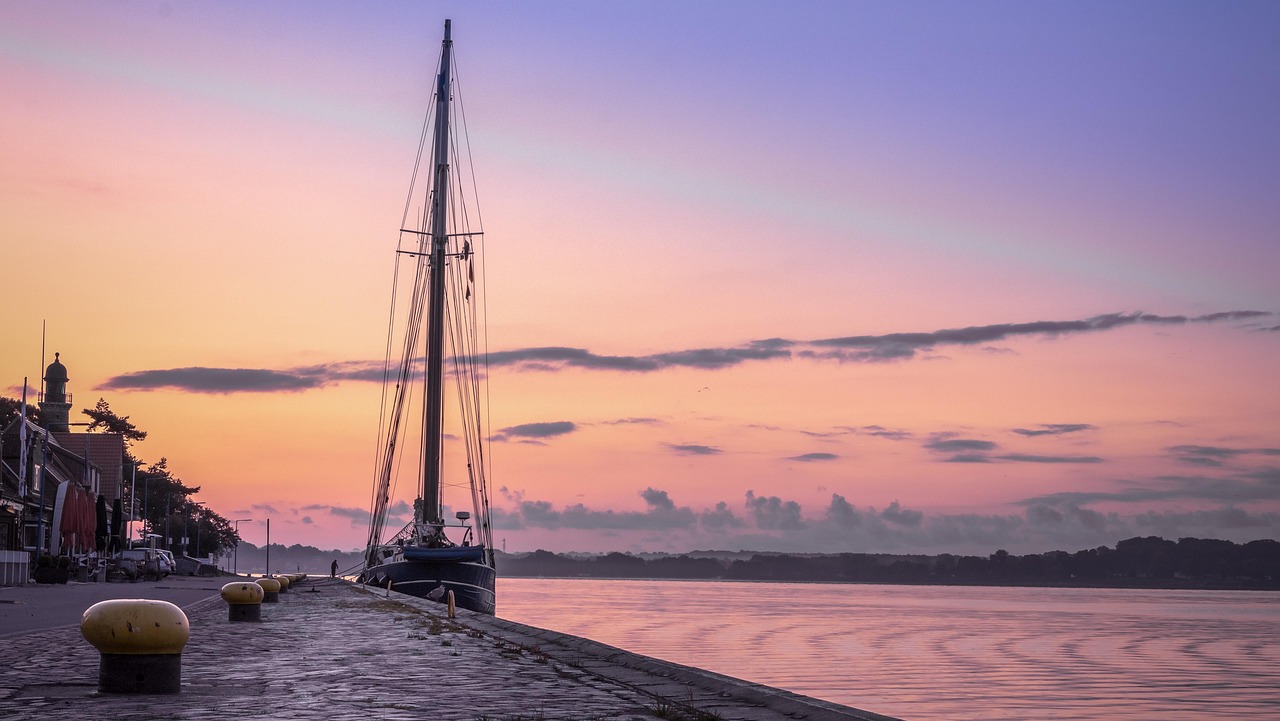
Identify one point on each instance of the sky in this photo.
(818, 276)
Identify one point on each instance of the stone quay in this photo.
(336, 650)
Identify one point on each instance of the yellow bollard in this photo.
(453, 609)
(284, 583)
(244, 601)
(388, 588)
(270, 590)
(140, 642)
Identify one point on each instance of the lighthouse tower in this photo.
(55, 403)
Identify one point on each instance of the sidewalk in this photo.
(333, 650)
(38, 606)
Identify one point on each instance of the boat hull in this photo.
(472, 582)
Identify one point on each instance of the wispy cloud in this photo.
(693, 449)
(901, 346)
(1258, 485)
(1215, 456)
(1028, 458)
(812, 457)
(1054, 429)
(855, 348)
(548, 429)
(951, 445)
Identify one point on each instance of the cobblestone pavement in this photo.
(333, 650)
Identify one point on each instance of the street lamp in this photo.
(235, 555)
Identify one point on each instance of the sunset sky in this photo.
(816, 276)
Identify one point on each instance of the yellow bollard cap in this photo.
(284, 582)
(135, 626)
(242, 592)
(270, 585)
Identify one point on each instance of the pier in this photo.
(335, 650)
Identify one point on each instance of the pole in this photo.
(268, 574)
(235, 554)
(133, 502)
(44, 477)
(432, 409)
(166, 522)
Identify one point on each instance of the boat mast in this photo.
(433, 410)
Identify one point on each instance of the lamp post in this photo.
(235, 555)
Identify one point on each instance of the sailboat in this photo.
(440, 342)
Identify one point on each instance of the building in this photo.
(51, 480)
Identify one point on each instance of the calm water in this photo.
(931, 652)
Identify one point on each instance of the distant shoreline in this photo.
(1147, 587)
(1135, 563)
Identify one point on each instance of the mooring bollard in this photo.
(140, 642)
(270, 590)
(244, 601)
(453, 609)
(284, 583)
(388, 588)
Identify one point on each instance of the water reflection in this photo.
(932, 652)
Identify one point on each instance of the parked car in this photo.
(167, 563)
(146, 563)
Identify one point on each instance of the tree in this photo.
(106, 420)
(157, 490)
(11, 407)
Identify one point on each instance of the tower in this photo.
(55, 402)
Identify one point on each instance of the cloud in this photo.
(902, 346)
(882, 432)
(772, 513)
(1026, 458)
(662, 515)
(554, 357)
(1215, 456)
(973, 450)
(950, 445)
(690, 449)
(772, 523)
(719, 519)
(214, 380)
(901, 516)
(856, 348)
(548, 429)
(811, 457)
(658, 500)
(1055, 429)
(968, 458)
(965, 450)
(1258, 485)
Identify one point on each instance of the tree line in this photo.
(1146, 562)
(162, 501)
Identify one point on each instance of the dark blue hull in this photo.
(472, 583)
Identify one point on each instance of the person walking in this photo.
(333, 569)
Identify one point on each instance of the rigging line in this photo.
(389, 457)
(485, 436)
(422, 140)
(386, 369)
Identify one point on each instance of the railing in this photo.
(66, 398)
(15, 568)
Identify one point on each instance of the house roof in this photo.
(104, 450)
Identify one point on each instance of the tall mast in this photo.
(433, 410)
